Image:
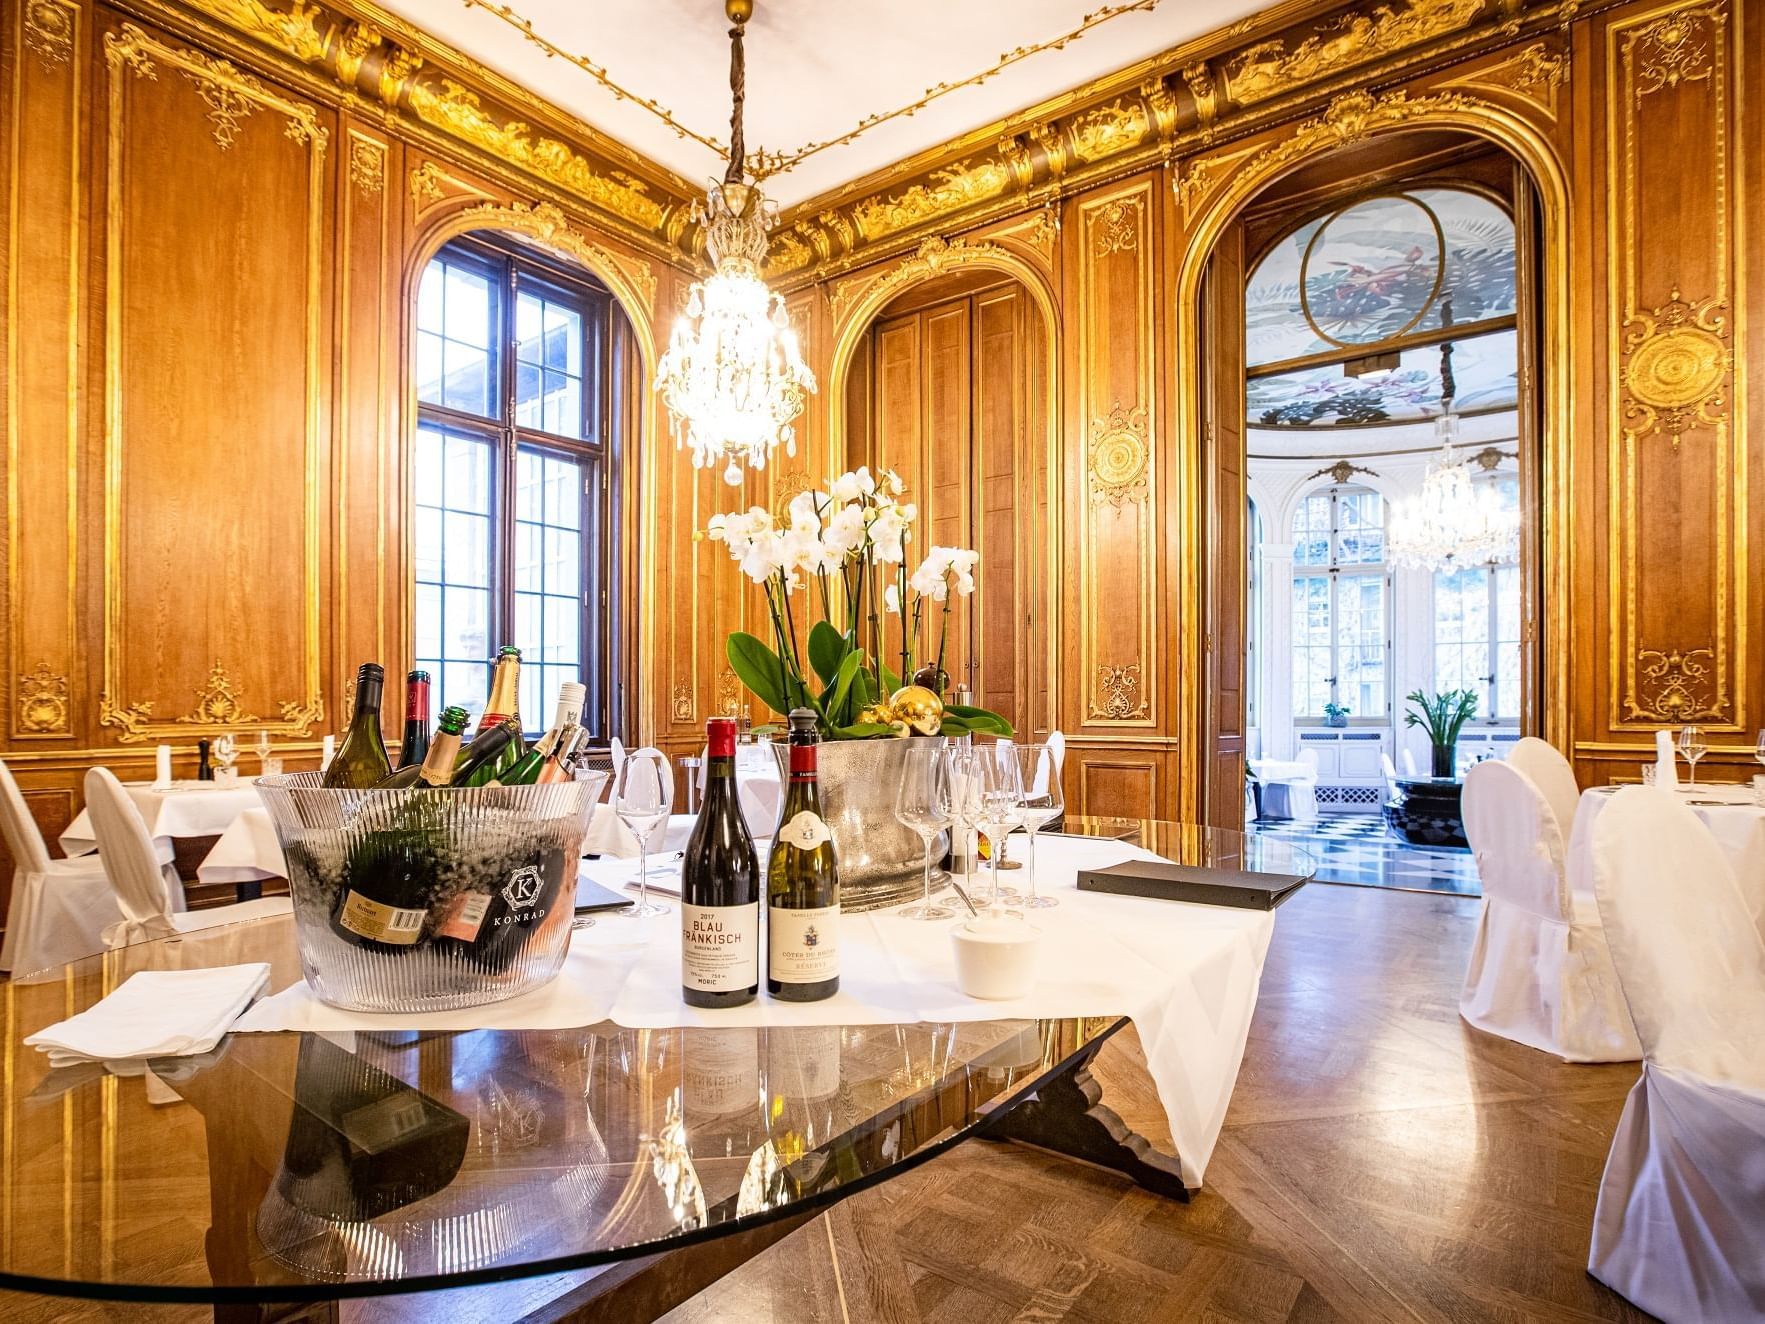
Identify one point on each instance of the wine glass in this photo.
(643, 799)
(1759, 749)
(965, 771)
(922, 802)
(1000, 795)
(263, 749)
(1040, 804)
(1693, 748)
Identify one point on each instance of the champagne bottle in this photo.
(802, 884)
(572, 695)
(415, 746)
(720, 889)
(533, 765)
(505, 703)
(481, 760)
(437, 767)
(361, 759)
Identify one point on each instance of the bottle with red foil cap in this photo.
(720, 888)
(802, 883)
(415, 746)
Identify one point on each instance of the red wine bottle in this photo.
(720, 888)
(415, 746)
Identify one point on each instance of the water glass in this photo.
(922, 802)
(1040, 803)
(643, 799)
(1000, 794)
(1648, 774)
(1692, 748)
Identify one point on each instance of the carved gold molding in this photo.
(1678, 47)
(217, 705)
(367, 165)
(217, 702)
(1537, 73)
(1194, 182)
(1118, 697)
(951, 189)
(430, 184)
(682, 702)
(42, 701)
(49, 31)
(1676, 367)
(548, 224)
(1674, 686)
(1270, 68)
(1110, 129)
(1117, 228)
(1118, 456)
(729, 693)
(935, 255)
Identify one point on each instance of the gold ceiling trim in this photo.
(1270, 68)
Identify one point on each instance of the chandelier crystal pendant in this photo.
(733, 378)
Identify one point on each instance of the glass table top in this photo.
(314, 1166)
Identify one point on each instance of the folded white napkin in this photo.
(1666, 763)
(155, 1013)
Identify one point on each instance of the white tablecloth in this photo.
(247, 852)
(1186, 974)
(1737, 823)
(184, 809)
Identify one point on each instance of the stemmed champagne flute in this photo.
(1041, 803)
(1692, 746)
(922, 802)
(1001, 795)
(643, 799)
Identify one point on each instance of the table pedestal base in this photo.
(1067, 1116)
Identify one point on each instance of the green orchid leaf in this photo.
(835, 699)
(827, 649)
(862, 731)
(758, 667)
(979, 719)
(891, 682)
(952, 725)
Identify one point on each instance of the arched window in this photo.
(1477, 627)
(1344, 316)
(510, 470)
(1341, 604)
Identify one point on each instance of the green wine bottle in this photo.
(505, 703)
(480, 762)
(437, 767)
(802, 884)
(361, 759)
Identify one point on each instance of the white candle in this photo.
(162, 766)
(326, 753)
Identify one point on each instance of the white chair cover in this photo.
(59, 907)
(1682, 1203)
(151, 908)
(1666, 762)
(1057, 747)
(1550, 772)
(1302, 793)
(1388, 770)
(1408, 759)
(1539, 972)
(616, 749)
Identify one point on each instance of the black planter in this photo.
(1443, 760)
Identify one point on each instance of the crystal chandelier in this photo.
(1454, 520)
(733, 378)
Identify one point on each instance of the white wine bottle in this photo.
(802, 884)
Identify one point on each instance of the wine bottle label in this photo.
(719, 947)
(720, 1072)
(804, 1064)
(803, 945)
(382, 923)
(805, 831)
(465, 916)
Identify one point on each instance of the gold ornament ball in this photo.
(877, 714)
(919, 708)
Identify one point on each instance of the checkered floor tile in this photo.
(1358, 851)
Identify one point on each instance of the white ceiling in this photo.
(815, 67)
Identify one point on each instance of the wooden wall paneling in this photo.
(1223, 502)
(1002, 516)
(213, 435)
(45, 249)
(1117, 783)
(947, 445)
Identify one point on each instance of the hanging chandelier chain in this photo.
(738, 89)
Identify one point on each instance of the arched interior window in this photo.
(1345, 315)
(1477, 627)
(1341, 603)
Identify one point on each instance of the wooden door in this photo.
(1002, 508)
(1226, 578)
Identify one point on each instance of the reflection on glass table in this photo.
(1196, 845)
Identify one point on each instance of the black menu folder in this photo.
(1164, 881)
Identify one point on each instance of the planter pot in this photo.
(1337, 721)
(1443, 760)
(879, 857)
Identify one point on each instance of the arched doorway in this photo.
(1346, 422)
(527, 351)
(947, 378)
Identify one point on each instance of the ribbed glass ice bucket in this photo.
(421, 900)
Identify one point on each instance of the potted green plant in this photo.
(1335, 714)
(1443, 716)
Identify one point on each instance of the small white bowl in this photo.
(996, 957)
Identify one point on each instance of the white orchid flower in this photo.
(845, 488)
(962, 564)
(888, 535)
(931, 579)
(892, 598)
(844, 533)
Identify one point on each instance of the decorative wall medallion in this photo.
(1269, 68)
(1674, 49)
(42, 701)
(49, 31)
(1118, 456)
(1109, 129)
(1674, 686)
(548, 224)
(949, 190)
(1676, 366)
(683, 702)
(216, 702)
(729, 693)
(228, 94)
(367, 165)
(1117, 228)
(1118, 696)
(785, 488)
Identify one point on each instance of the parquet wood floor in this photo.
(1381, 1162)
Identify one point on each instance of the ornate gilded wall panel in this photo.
(1677, 475)
(1112, 474)
(202, 556)
(46, 114)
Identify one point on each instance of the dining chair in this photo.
(1682, 1200)
(1539, 972)
(1408, 758)
(59, 907)
(1388, 770)
(149, 906)
(1551, 773)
